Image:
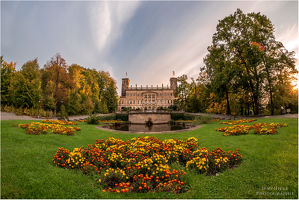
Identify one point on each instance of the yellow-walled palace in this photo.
(147, 97)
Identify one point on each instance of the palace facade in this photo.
(147, 97)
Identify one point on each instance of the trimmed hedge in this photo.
(182, 117)
(122, 117)
(107, 117)
(177, 116)
(189, 117)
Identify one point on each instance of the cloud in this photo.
(289, 37)
(107, 20)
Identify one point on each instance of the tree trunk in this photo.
(256, 105)
(252, 99)
(227, 105)
(56, 90)
(271, 104)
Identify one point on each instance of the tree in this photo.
(74, 102)
(110, 95)
(279, 67)
(182, 92)
(7, 75)
(26, 86)
(221, 71)
(107, 94)
(56, 70)
(242, 44)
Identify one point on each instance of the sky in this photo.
(148, 40)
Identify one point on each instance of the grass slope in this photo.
(27, 170)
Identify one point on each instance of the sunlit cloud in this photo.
(107, 18)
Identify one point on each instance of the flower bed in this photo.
(259, 128)
(235, 130)
(238, 121)
(61, 122)
(267, 129)
(36, 128)
(144, 164)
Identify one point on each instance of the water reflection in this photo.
(148, 128)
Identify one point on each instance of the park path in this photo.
(12, 116)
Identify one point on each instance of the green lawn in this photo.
(27, 170)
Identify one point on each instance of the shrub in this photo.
(92, 119)
(19, 111)
(205, 118)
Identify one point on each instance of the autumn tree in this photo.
(56, 72)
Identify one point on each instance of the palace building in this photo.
(148, 97)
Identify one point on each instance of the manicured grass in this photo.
(27, 170)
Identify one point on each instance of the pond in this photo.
(149, 128)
